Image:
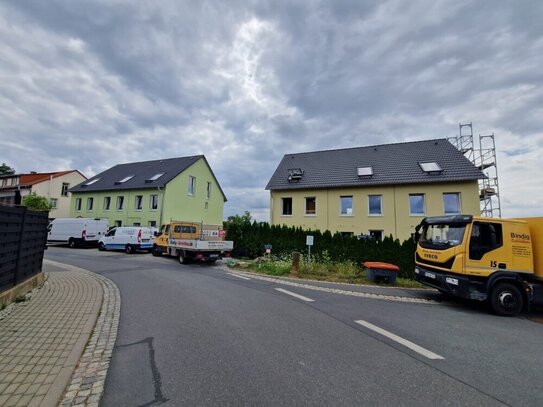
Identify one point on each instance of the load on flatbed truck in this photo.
(483, 259)
(191, 241)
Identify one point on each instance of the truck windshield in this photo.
(442, 236)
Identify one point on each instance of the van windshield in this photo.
(442, 236)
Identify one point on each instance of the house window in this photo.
(208, 190)
(53, 203)
(118, 223)
(416, 204)
(64, 190)
(152, 223)
(192, 185)
(90, 204)
(206, 205)
(346, 205)
(451, 203)
(153, 203)
(120, 203)
(138, 205)
(311, 206)
(375, 204)
(287, 206)
(78, 204)
(376, 234)
(107, 203)
(122, 181)
(136, 224)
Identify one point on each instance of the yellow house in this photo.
(377, 190)
(52, 185)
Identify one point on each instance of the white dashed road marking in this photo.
(301, 297)
(238, 276)
(408, 344)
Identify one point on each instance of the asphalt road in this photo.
(197, 335)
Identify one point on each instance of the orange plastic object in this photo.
(379, 265)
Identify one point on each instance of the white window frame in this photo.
(53, 202)
(411, 213)
(352, 206)
(153, 198)
(305, 208)
(192, 186)
(120, 200)
(108, 207)
(283, 206)
(64, 189)
(140, 199)
(90, 204)
(78, 204)
(208, 190)
(380, 196)
(459, 198)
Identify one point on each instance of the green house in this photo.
(150, 193)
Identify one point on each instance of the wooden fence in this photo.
(23, 239)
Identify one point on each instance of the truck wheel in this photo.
(101, 247)
(506, 300)
(71, 243)
(156, 252)
(182, 259)
(128, 249)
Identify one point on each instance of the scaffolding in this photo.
(483, 157)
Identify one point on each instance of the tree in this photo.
(240, 220)
(36, 202)
(6, 169)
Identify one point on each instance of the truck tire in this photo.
(182, 258)
(101, 247)
(506, 300)
(156, 252)
(128, 249)
(71, 243)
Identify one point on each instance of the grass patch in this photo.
(322, 269)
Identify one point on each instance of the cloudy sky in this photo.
(90, 84)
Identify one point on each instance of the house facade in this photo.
(52, 185)
(374, 191)
(151, 193)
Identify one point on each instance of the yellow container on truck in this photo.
(484, 259)
(190, 241)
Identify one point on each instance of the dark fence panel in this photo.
(23, 237)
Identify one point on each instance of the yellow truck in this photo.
(484, 259)
(189, 241)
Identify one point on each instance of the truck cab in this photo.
(479, 259)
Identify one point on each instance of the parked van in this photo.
(77, 231)
(128, 238)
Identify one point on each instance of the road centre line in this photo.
(238, 276)
(408, 344)
(301, 297)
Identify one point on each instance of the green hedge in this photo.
(250, 238)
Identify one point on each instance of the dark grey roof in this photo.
(142, 172)
(392, 164)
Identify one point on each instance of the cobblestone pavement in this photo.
(43, 338)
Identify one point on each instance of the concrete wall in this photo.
(395, 219)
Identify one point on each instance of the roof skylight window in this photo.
(430, 167)
(125, 179)
(155, 177)
(365, 171)
(92, 182)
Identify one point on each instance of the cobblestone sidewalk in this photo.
(43, 339)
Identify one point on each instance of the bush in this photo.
(36, 202)
(329, 250)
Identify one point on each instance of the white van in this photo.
(77, 231)
(128, 238)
